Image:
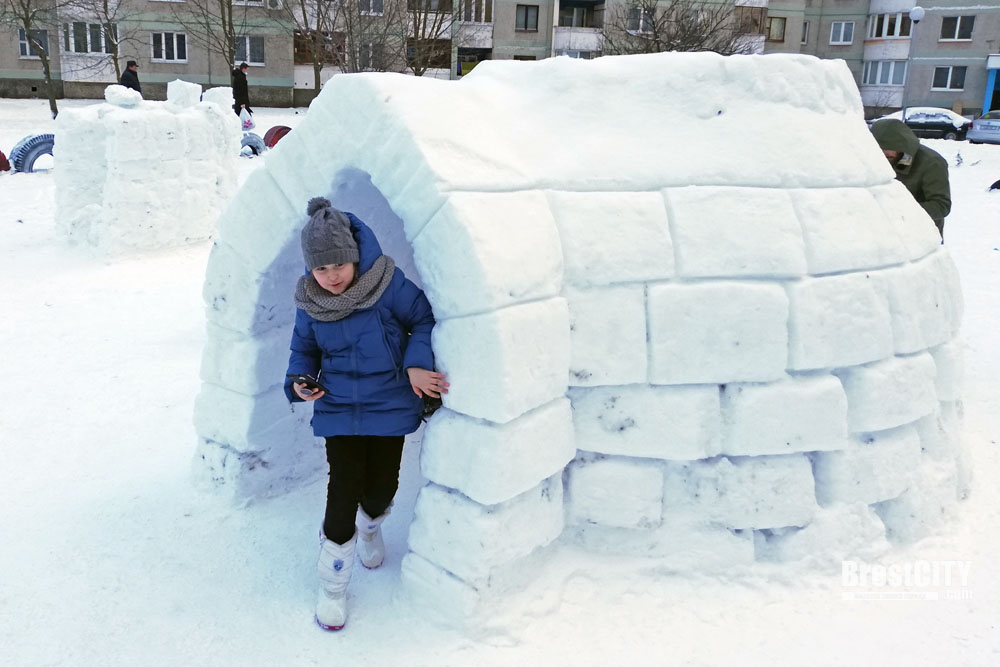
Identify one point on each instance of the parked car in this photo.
(933, 122)
(985, 129)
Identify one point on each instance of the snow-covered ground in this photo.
(110, 557)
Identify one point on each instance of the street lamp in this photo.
(916, 16)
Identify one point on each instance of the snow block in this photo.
(717, 332)
(504, 363)
(245, 364)
(254, 474)
(483, 251)
(836, 533)
(916, 229)
(245, 423)
(607, 335)
(122, 96)
(640, 248)
(678, 544)
(838, 321)
(844, 229)
(439, 593)
(940, 433)
(743, 492)
(290, 166)
(793, 415)
(889, 393)
(472, 540)
(240, 299)
(491, 463)
(627, 493)
(265, 214)
(926, 303)
(925, 507)
(183, 94)
(221, 96)
(874, 467)
(677, 423)
(949, 360)
(763, 240)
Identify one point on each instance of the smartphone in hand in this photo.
(311, 383)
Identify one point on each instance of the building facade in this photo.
(949, 58)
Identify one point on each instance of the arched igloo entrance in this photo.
(684, 308)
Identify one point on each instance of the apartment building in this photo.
(949, 58)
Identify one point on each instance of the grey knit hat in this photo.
(327, 238)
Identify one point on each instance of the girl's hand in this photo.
(425, 382)
(299, 388)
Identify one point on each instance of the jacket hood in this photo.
(894, 135)
(368, 248)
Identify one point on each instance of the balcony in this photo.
(580, 26)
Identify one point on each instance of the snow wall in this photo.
(138, 175)
(685, 310)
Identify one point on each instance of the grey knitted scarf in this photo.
(366, 290)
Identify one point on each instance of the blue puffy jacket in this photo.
(362, 359)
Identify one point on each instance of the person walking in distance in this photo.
(130, 77)
(241, 91)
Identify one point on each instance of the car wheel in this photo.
(951, 136)
(254, 143)
(29, 149)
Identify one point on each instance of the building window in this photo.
(640, 19)
(476, 11)
(576, 17)
(949, 78)
(882, 26)
(954, 28)
(331, 44)
(884, 73)
(775, 28)
(370, 56)
(527, 18)
(805, 32)
(842, 32)
(87, 38)
(26, 49)
(525, 58)
(250, 50)
(375, 7)
(169, 47)
(583, 55)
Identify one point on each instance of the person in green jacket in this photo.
(923, 171)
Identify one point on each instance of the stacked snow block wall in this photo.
(137, 175)
(694, 342)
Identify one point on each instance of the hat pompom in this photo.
(317, 203)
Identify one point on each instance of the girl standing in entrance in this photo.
(363, 331)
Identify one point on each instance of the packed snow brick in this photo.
(836, 533)
(290, 166)
(916, 229)
(677, 423)
(241, 363)
(269, 212)
(889, 393)
(503, 363)
(683, 544)
(743, 492)
(491, 463)
(716, 332)
(639, 249)
(440, 594)
(940, 432)
(222, 96)
(183, 93)
(121, 96)
(844, 229)
(925, 507)
(793, 415)
(472, 540)
(244, 423)
(838, 321)
(627, 493)
(240, 299)
(764, 240)
(607, 335)
(925, 300)
(482, 234)
(874, 467)
(950, 366)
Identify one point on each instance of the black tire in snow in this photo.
(29, 149)
(253, 142)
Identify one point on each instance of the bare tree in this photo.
(216, 24)
(316, 40)
(38, 21)
(375, 33)
(429, 43)
(652, 26)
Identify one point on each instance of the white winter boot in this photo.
(370, 544)
(335, 564)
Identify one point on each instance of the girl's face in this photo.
(334, 278)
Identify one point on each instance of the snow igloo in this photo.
(685, 309)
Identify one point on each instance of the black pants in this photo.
(363, 469)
